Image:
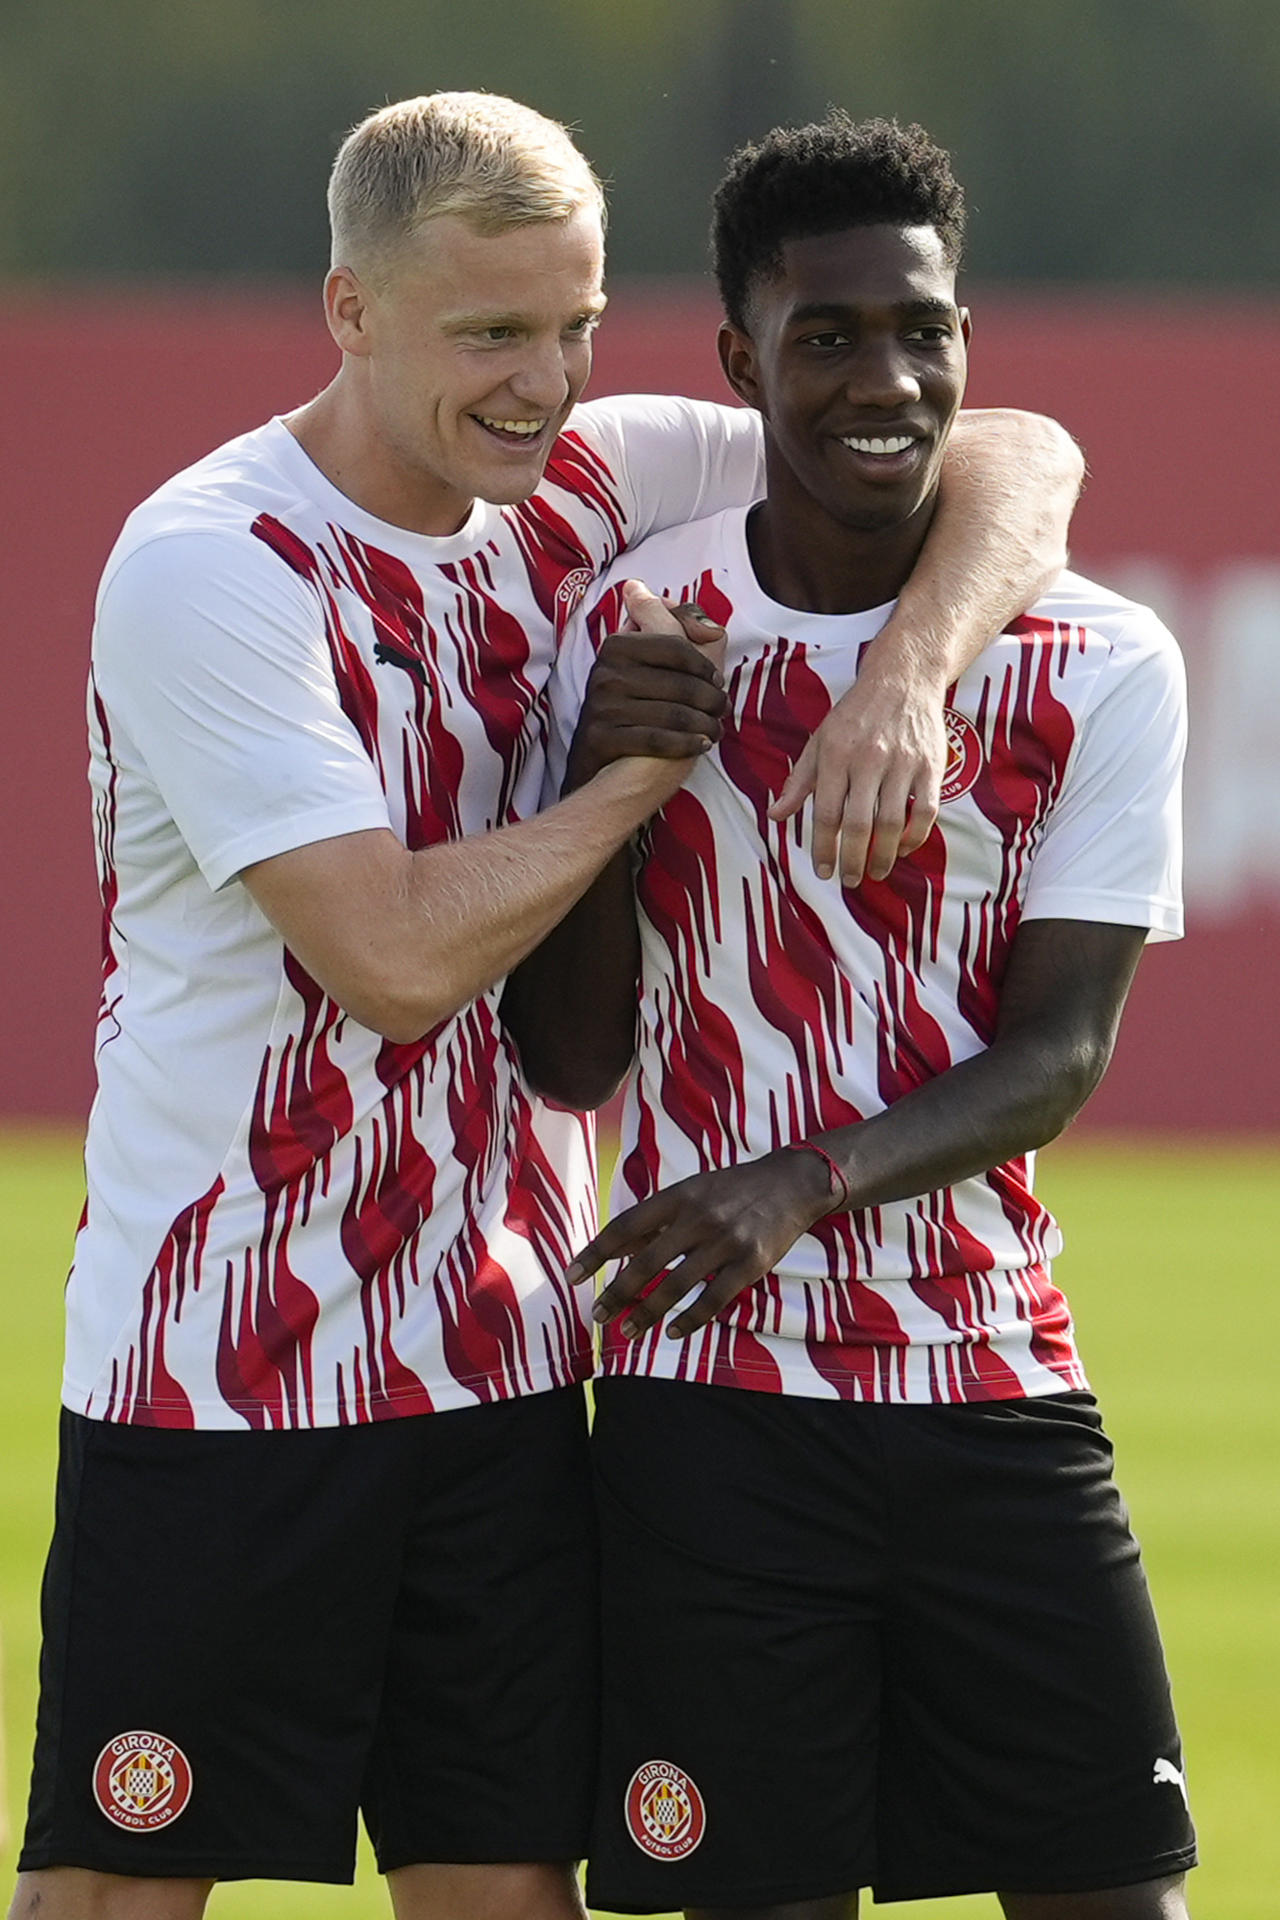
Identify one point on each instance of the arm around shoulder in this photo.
(1028, 471)
(1010, 482)
(676, 459)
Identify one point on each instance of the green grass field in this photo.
(1172, 1270)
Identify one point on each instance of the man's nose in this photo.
(541, 379)
(883, 376)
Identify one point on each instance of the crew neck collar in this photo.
(772, 616)
(340, 507)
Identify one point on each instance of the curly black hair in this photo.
(835, 173)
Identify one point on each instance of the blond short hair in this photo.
(489, 160)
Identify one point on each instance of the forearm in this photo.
(1009, 1100)
(571, 1006)
(481, 907)
(1061, 999)
(727, 1227)
(404, 940)
(1063, 990)
(998, 538)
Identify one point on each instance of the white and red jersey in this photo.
(776, 1005)
(291, 1221)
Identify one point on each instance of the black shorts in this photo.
(250, 1636)
(908, 1648)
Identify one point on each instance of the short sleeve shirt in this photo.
(776, 1005)
(292, 1221)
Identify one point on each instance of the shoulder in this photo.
(1091, 644)
(673, 561)
(211, 524)
(629, 437)
(1129, 631)
(688, 562)
(226, 488)
(610, 422)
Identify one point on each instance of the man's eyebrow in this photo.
(927, 305)
(475, 322)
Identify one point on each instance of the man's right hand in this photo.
(656, 692)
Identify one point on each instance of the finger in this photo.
(667, 1249)
(624, 1234)
(890, 826)
(658, 1302)
(649, 613)
(671, 652)
(724, 1286)
(658, 743)
(798, 784)
(619, 682)
(841, 813)
(697, 625)
(923, 813)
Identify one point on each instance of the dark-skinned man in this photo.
(873, 1614)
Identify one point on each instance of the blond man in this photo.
(324, 1540)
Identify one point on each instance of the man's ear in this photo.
(346, 308)
(966, 326)
(738, 358)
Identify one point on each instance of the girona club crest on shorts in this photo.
(141, 1781)
(964, 755)
(664, 1811)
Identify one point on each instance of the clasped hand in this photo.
(656, 690)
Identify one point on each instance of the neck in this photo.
(805, 558)
(340, 432)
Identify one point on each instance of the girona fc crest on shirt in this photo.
(572, 588)
(141, 1781)
(665, 1814)
(964, 755)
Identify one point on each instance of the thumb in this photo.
(648, 613)
(702, 630)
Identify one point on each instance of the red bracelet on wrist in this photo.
(839, 1185)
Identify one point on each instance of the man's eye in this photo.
(498, 334)
(937, 334)
(586, 323)
(826, 341)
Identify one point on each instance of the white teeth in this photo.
(528, 427)
(898, 443)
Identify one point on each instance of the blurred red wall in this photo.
(1176, 405)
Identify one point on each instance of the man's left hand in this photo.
(721, 1230)
(874, 768)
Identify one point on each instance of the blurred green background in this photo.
(1171, 1270)
(1123, 141)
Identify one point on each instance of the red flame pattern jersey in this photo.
(291, 1221)
(775, 1005)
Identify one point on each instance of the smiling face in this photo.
(464, 361)
(856, 359)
